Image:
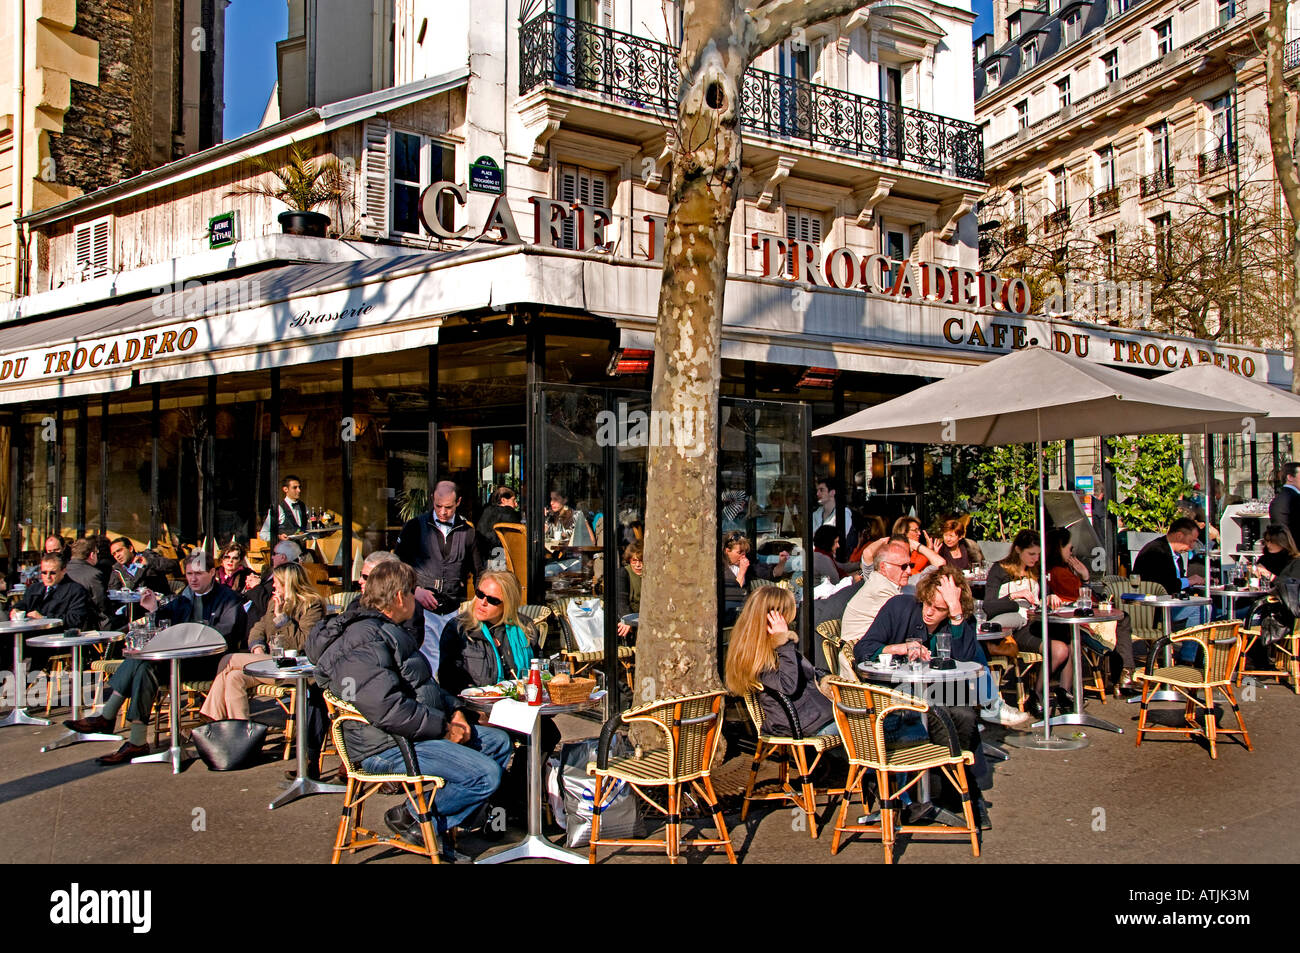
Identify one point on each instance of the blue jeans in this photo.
(1179, 619)
(472, 771)
(831, 728)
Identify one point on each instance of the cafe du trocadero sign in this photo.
(994, 309)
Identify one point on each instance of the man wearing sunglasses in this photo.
(892, 568)
(57, 597)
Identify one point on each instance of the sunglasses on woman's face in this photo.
(490, 600)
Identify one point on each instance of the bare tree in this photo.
(720, 39)
(1281, 138)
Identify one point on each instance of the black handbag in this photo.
(229, 744)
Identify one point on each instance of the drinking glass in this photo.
(943, 645)
(1085, 598)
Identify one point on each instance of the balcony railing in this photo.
(1217, 159)
(642, 74)
(1156, 182)
(1103, 202)
(1291, 55)
(1058, 220)
(1017, 235)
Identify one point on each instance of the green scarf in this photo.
(519, 649)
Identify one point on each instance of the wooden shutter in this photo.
(583, 187)
(568, 193)
(93, 246)
(909, 84)
(376, 179)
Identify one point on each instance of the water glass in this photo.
(980, 615)
(1085, 598)
(943, 644)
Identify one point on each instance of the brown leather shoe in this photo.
(93, 725)
(124, 754)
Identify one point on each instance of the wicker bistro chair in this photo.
(691, 726)
(794, 746)
(342, 598)
(539, 617)
(420, 790)
(860, 712)
(1221, 646)
(832, 644)
(582, 662)
(1287, 657)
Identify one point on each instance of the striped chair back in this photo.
(692, 727)
(860, 711)
(831, 643)
(1222, 644)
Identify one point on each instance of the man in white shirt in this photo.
(893, 566)
(827, 494)
(293, 513)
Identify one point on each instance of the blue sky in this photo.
(253, 27)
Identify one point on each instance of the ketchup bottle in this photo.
(533, 688)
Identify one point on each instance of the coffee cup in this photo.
(291, 653)
(19, 615)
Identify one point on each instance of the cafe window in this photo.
(1022, 114)
(1106, 168)
(576, 185)
(1159, 147)
(1221, 122)
(1164, 31)
(1059, 187)
(1110, 67)
(1063, 92)
(418, 162)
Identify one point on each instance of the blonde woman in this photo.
(489, 641)
(764, 653)
(295, 609)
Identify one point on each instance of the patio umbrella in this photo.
(1209, 380)
(1029, 396)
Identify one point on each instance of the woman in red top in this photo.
(1066, 575)
(923, 557)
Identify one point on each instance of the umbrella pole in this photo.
(1046, 742)
(1209, 516)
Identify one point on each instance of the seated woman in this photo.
(627, 595)
(738, 570)
(956, 549)
(1279, 551)
(923, 557)
(1012, 589)
(233, 571)
(559, 520)
(907, 625)
(1065, 578)
(489, 641)
(764, 653)
(826, 550)
(295, 610)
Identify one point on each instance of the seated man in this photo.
(1160, 561)
(56, 597)
(892, 567)
(907, 625)
(132, 571)
(205, 600)
(83, 569)
(738, 570)
(376, 664)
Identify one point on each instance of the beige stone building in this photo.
(1110, 125)
(93, 92)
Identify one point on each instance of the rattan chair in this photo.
(352, 835)
(794, 746)
(832, 644)
(1287, 665)
(582, 662)
(691, 726)
(1221, 647)
(539, 616)
(860, 712)
(342, 598)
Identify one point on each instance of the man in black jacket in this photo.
(367, 658)
(56, 597)
(444, 552)
(206, 601)
(1159, 561)
(1285, 508)
(83, 569)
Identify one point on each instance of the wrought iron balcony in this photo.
(1103, 202)
(1156, 182)
(1058, 220)
(642, 74)
(1217, 158)
(1291, 55)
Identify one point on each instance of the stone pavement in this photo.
(1111, 802)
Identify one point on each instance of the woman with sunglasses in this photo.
(489, 641)
(233, 571)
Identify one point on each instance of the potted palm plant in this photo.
(302, 183)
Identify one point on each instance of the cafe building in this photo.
(480, 305)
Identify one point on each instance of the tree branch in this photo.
(1283, 159)
(776, 20)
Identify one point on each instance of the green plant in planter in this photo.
(412, 503)
(302, 183)
(1149, 479)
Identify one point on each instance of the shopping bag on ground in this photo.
(620, 815)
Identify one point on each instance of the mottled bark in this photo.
(676, 648)
(1281, 100)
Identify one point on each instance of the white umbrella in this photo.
(1029, 396)
(1209, 380)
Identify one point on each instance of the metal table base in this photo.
(76, 737)
(19, 714)
(302, 786)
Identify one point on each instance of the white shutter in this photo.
(376, 179)
(909, 84)
(607, 13)
(569, 189)
(93, 245)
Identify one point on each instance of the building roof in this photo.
(304, 125)
(1050, 29)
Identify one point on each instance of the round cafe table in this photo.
(19, 629)
(1076, 624)
(74, 643)
(174, 753)
(1165, 603)
(1230, 595)
(535, 846)
(302, 786)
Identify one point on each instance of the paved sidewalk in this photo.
(1108, 803)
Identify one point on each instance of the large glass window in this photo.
(418, 162)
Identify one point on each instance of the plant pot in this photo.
(311, 224)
